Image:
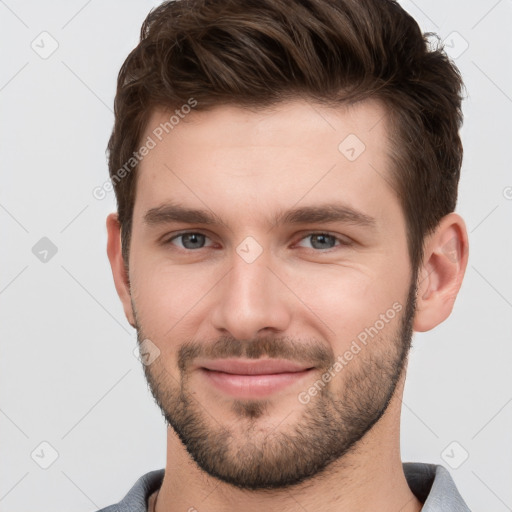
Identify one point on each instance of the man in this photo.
(286, 175)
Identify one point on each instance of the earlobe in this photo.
(119, 273)
(440, 277)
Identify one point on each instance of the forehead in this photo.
(287, 123)
(235, 158)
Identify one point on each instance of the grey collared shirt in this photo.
(432, 485)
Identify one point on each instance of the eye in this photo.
(190, 240)
(323, 241)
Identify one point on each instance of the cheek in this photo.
(344, 301)
(167, 299)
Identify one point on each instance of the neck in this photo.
(370, 477)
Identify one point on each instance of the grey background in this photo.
(68, 375)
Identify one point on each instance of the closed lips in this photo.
(261, 367)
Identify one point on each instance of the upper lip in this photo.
(260, 367)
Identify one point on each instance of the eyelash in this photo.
(342, 242)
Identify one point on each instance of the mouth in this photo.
(253, 379)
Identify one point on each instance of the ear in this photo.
(119, 272)
(440, 276)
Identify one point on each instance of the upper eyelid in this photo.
(187, 232)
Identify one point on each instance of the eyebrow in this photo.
(333, 212)
(324, 213)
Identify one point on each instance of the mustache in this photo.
(310, 352)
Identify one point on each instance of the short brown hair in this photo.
(257, 53)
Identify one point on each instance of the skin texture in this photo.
(303, 298)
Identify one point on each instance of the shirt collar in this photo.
(434, 487)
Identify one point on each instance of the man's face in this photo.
(303, 259)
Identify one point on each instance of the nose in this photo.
(251, 299)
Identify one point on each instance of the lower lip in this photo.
(252, 386)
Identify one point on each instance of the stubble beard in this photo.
(246, 455)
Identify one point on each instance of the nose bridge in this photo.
(250, 298)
